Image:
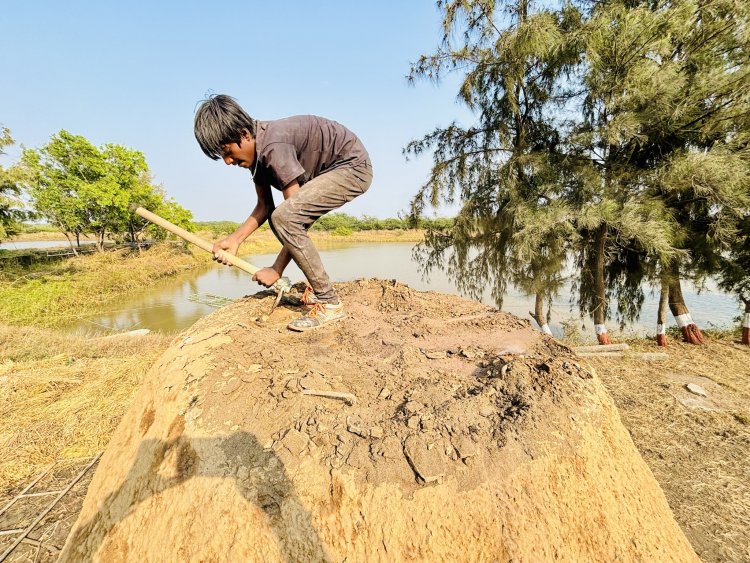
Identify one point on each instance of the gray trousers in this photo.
(291, 220)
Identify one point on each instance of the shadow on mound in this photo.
(160, 465)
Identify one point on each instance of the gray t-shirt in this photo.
(303, 147)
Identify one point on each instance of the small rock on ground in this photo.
(696, 390)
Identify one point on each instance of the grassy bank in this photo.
(44, 236)
(266, 236)
(54, 294)
(264, 242)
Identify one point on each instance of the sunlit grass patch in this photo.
(54, 294)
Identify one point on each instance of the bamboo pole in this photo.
(196, 240)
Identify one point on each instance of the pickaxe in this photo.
(281, 286)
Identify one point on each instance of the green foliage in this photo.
(734, 265)
(341, 224)
(341, 231)
(506, 169)
(38, 228)
(216, 227)
(613, 133)
(333, 221)
(666, 95)
(12, 208)
(84, 189)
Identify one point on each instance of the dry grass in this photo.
(700, 457)
(44, 236)
(62, 397)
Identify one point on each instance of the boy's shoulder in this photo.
(294, 124)
(301, 130)
(284, 130)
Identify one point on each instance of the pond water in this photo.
(166, 307)
(26, 245)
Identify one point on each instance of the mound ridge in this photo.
(470, 437)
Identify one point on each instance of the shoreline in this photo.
(410, 235)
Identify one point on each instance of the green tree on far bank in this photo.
(12, 209)
(344, 222)
(82, 188)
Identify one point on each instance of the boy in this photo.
(317, 164)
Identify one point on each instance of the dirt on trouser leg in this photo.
(469, 436)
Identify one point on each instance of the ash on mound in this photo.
(472, 437)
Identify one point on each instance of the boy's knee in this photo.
(284, 219)
(279, 218)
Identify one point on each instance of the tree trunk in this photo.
(131, 228)
(746, 323)
(538, 314)
(70, 242)
(78, 239)
(100, 241)
(661, 316)
(690, 332)
(600, 310)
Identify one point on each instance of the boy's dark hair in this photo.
(220, 121)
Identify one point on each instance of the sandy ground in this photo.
(697, 447)
(466, 436)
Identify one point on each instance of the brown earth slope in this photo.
(471, 438)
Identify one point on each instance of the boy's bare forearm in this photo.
(282, 260)
(260, 214)
(251, 224)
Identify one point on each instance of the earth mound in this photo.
(422, 427)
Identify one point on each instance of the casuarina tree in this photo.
(695, 141)
(505, 170)
(622, 225)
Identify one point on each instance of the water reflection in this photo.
(166, 307)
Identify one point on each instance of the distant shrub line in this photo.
(342, 224)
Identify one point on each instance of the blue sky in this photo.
(132, 73)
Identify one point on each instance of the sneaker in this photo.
(308, 297)
(319, 315)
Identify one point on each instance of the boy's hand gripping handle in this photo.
(282, 285)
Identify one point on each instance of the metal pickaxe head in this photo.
(282, 286)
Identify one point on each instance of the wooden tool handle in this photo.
(197, 241)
